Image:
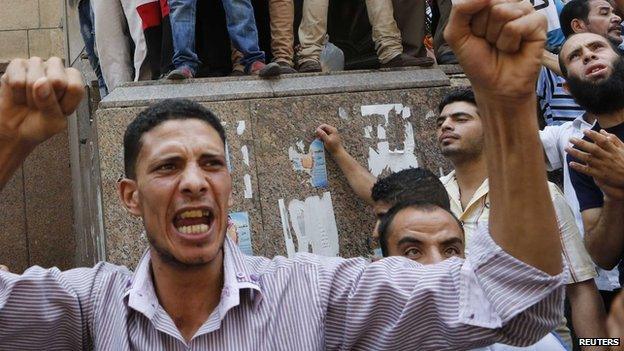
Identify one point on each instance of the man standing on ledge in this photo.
(195, 290)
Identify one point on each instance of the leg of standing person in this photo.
(444, 54)
(114, 46)
(311, 34)
(282, 14)
(182, 17)
(387, 37)
(410, 18)
(241, 25)
(87, 30)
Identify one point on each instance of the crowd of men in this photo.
(479, 259)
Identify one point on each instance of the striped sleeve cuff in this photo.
(496, 287)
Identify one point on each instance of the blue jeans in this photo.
(87, 30)
(241, 25)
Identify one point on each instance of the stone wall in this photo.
(280, 117)
(31, 28)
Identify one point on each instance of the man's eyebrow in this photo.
(409, 240)
(452, 241)
(456, 114)
(575, 51)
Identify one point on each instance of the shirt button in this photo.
(472, 316)
(240, 275)
(254, 277)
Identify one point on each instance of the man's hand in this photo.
(35, 99)
(603, 160)
(499, 44)
(330, 137)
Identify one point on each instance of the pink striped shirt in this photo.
(305, 303)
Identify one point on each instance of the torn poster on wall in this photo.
(314, 224)
(239, 231)
(312, 162)
(382, 157)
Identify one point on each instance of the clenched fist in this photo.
(36, 97)
(499, 44)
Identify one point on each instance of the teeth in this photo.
(192, 214)
(193, 229)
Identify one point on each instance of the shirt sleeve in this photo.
(575, 255)
(46, 309)
(550, 142)
(399, 304)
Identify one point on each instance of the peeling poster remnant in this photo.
(312, 162)
(314, 224)
(382, 157)
(239, 231)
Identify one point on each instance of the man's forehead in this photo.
(177, 133)
(579, 40)
(459, 107)
(599, 3)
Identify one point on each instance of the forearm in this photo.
(605, 240)
(588, 313)
(12, 155)
(522, 218)
(358, 177)
(551, 61)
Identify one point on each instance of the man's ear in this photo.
(230, 201)
(129, 194)
(578, 26)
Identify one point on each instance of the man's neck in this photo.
(188, 294)
(470, 174)
(612, 119)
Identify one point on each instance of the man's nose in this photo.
(433, 257)
(194, 182)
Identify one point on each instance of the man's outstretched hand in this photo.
(36, 97)
(499, 44)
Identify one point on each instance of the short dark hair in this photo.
(458, 95)
(412, 184)
(388, 218)
(154, 115)
(575, 9)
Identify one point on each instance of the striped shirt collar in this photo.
(237, 276)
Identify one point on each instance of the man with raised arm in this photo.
(195, 290)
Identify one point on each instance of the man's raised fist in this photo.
(499, 44)
(36, 97)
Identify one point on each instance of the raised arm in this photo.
(35, 99)
(500, 45)
(359, 178)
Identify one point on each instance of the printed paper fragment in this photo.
(239, 230)
(245, 153)
(381, 132)
(312, 162)
(343, 113)
(384, 110)
(367, 131)
(288, 239)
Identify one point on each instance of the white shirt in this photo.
(554, 140)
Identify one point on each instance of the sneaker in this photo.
(285, 68)
(310, 67)
(259, 68)
(404, 60)
(237, 73)
(447, 58)
(180, 73)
